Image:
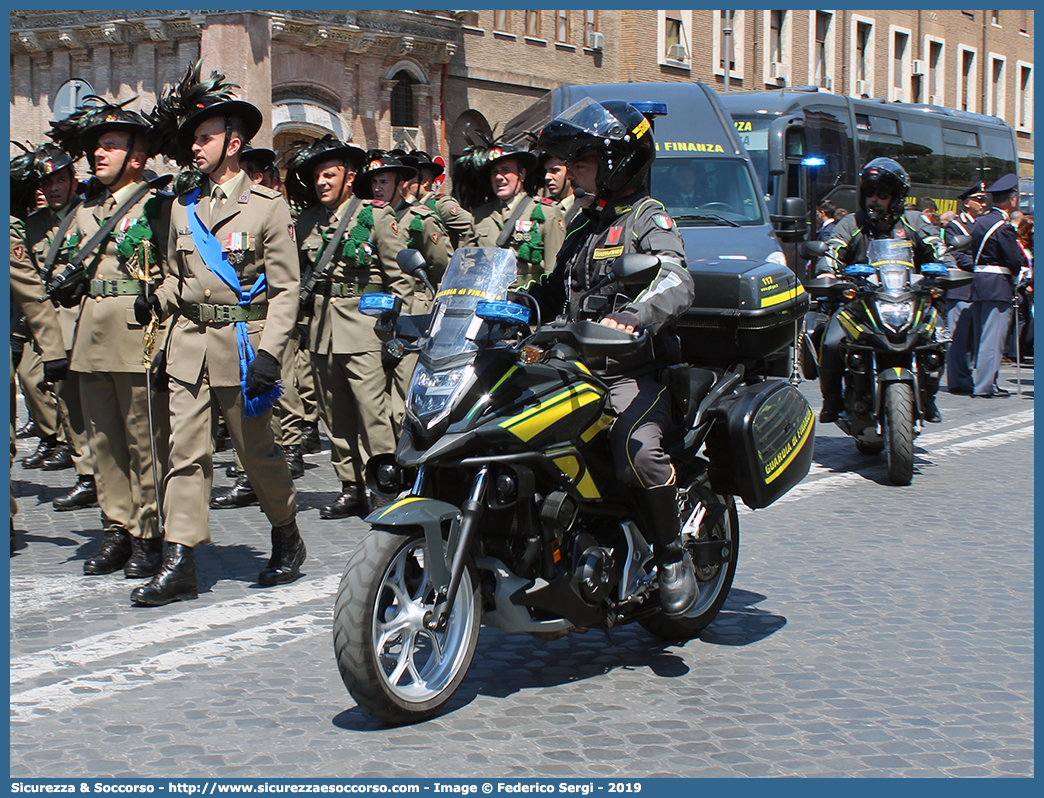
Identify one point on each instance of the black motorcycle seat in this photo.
(700, 383)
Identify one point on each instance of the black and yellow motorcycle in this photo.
(504, 507)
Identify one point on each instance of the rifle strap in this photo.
(92, 243)
(59, 238)
(509, 225)
(331, 246)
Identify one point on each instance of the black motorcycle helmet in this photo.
(614, 132)
(886, 175)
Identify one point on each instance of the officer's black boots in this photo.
(351, 501)
(28, 430)
(145, 559)
(830, 387)
(114, 552)
(60, 458)
(239, 495)
(36, 460)
(295, 460)
(175, 580)
(83, 494)
(310, 443)
(679, 591)
(288, 553)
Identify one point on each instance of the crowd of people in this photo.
(157, 319)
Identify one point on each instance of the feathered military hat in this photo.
(79, 132)
(422, 160)
(378, 161)
(262, 156)
(471, 170)
(193, 100)
(306, 155)
(24, 180)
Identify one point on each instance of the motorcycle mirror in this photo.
(635, 267)
(956, 243)
(410, 261)
(812, 249)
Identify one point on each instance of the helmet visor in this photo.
(580, 126)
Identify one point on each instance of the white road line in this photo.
(70, 693)
(977, 428)
(994, 440)
(123, 642)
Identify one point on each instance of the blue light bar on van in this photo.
(859, 270)
(500, 311)
(650, 108)
(375, 304)
(813, 160)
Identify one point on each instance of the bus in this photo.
(810, 144)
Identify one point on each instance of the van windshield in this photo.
(706, 191)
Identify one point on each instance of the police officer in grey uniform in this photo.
(958, 300)
(998, 260)
(609, 149)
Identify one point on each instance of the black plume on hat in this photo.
(78, 132)
(306, 155)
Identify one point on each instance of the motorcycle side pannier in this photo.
(761, 446)
(745, 311)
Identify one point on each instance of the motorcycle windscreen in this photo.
(763, 448)
(893, 262)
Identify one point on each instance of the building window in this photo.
(590, 25)
(966, 79)
(734, 21)
(996, 97)
(995, 19)
(776, 33)
(936, 71)
(675, 37)
(562, 26)
(402, 101)
(862, 33)
(533, 24)
(501, 20)
(1024, 22)
(899, 66)
(823, 50)
(1024, 97)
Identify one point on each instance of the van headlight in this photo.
(777, 257)
(895, 315)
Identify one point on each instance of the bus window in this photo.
(826, 136)
(753, 132)
(998, 151)
(922, 151)
(962, 138)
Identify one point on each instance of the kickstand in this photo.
(609, 637)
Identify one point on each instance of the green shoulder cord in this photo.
(532, 251)
(416, 232)
(135, 245)
(352, 248)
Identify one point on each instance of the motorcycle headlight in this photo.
(895, 315)
(433, 393)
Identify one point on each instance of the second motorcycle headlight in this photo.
(432, 392)
(895, 315)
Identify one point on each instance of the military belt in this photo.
(204, 313)
(115, 287)
(992, 268)
(346, 289)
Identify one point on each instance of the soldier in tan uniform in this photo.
(427, 234)
(108, 348)
(531, 226)
(233, 285)
(45, 229)
(459, 222)
(27, 295)
(346, 353)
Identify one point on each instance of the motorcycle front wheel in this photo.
(696, 507)
(898, 432)
(397, 669)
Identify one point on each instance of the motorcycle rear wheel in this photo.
(898, 432)
(397, 669)
(715, 581)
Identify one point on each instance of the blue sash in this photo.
(216, 260)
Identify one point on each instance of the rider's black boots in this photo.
(679, 591)
(830, 387)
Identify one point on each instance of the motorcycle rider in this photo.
(883, 188)
(609, 150)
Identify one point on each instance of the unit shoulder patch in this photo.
(663, 221)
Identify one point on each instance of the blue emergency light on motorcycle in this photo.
(859, 270)
(375, 304)
(935, 270)
(500, 311)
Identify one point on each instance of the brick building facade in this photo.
(423, 78)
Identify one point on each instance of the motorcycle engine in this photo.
(594, 574)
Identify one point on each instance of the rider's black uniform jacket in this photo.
(960, 226)
(998, 266)
(595, 238)
(850, 239)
